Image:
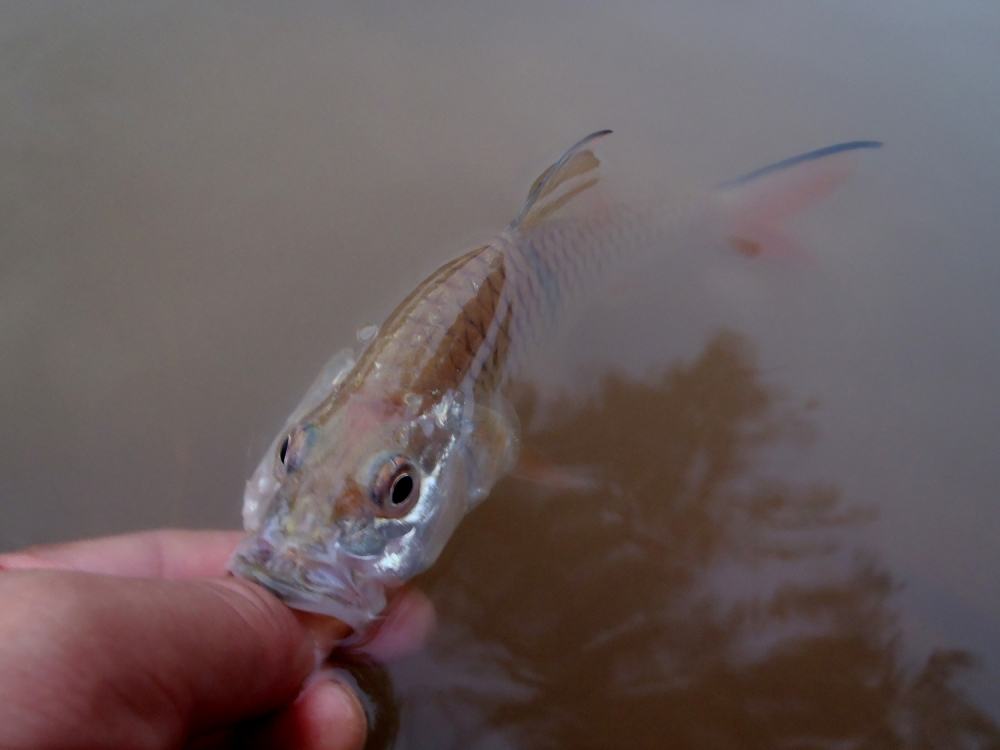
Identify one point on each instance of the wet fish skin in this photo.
(425, 408)
(427, 393)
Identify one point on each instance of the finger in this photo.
(110, 657)
(326, 716)
(163, 553)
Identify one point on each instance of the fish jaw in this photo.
(306, 583)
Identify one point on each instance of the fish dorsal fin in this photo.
(545, 196)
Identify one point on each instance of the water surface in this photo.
(796, 542)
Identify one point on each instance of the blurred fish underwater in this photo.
(392, 447)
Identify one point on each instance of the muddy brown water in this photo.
(793, 537)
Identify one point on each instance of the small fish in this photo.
(387, 453)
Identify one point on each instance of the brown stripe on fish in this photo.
(496, 351)
(461, 346)
(414, 336)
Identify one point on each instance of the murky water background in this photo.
(797, 541)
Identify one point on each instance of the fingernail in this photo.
(336, 708)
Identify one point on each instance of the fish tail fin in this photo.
(751, 209)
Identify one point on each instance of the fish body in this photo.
(371, 476)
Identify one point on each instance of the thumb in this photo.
(142, 658)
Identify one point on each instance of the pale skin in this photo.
(143, 641)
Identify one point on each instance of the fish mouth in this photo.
(308, 584)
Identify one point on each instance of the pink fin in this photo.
(751, 208)
(555, 477)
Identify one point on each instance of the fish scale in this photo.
(469, 325)
(476, 317)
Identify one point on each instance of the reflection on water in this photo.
(692, 600)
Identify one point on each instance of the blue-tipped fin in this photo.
(751, 209)
(780, 166)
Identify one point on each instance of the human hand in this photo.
(128, 641)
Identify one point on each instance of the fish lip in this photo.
(338, 596)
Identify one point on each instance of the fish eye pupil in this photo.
(283, 450)
(395, 487)
(401, 489)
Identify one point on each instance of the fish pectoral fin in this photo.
(325, 384)
(494, 445)
(572, 174)
(537, 470)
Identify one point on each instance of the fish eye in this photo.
(397, 487)
(292, 448)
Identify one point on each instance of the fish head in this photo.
(353, 501)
